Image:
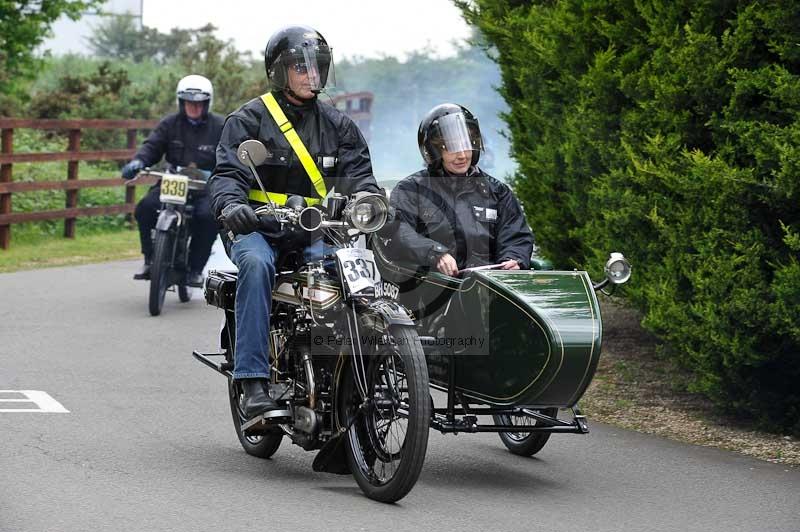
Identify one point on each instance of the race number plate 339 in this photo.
(174, 189)
(359, 272)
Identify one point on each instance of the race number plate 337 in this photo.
(174, 189)
(359, 272)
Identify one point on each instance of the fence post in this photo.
(130, 192)
(72, 175)
(6, 147)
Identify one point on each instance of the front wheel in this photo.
(524, 443)
(262, 444)
(387, 435)
(160, 270)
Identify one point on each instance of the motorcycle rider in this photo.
(311, 147)
(452, 215)
(187, 138)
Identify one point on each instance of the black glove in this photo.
(130, 170)
(239, 218)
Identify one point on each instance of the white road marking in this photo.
(44, 402)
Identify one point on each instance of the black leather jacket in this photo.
(332, 139)
(183, 143)
(475, 218)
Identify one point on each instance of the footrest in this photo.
(223, 366)
(273, 417)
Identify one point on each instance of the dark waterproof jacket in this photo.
(332, 140)
(475, 218)
(183, 143)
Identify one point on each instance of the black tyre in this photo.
(524, 443)
(261, 444)
(387, 441)
(160, 270)
(184, 293)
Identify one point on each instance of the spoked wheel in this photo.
(159, 270)
(524, 443)
(184, 293)
(262, 444)
(388, 439)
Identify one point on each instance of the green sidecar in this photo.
(516, 345)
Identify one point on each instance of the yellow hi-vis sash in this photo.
(299, 148)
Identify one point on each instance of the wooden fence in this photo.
(72, 184)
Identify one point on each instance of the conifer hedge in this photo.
(668, 129)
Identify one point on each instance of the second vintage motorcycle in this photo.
(172, 234)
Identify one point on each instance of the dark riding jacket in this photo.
(332, 139)
(183, 143)
(475, 218)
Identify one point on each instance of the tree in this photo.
(24, 24)
(234, 75)
(670, 130)
(118, 37)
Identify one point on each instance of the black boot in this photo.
(144, 273)
(255, 398)
(195, 279)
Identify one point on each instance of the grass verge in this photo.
(84, 249)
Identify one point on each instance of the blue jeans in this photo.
(256, 259)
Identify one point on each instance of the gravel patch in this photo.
(635, 389)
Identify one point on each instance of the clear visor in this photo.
(193, 95)
(454, 134)
(314, 64)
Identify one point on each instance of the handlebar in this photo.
(194, 184)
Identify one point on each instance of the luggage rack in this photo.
(445, 420)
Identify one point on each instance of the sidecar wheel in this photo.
(159, 271)
(387, 441)
(184, 293)
(261, 445)
(520, 443)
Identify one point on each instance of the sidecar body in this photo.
(522, 337)
(507, 341)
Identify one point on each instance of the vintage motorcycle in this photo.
(346, 363)
(172, 234)
(358, 345)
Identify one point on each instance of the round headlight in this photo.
(363, 214)
(618, 269)
(368, 212)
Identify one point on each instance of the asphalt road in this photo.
(148, 444)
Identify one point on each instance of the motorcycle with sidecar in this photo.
(358, 342)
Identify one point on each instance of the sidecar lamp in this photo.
(368, 212)
(618, 269)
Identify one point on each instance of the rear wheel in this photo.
(160, 270)
(262, 444)
(524, 443)
(387, 439)
(184, 293)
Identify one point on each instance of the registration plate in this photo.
(359, 272)
(174, 189)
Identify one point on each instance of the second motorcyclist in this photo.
(186, 138)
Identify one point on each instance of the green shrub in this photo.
(669, 130)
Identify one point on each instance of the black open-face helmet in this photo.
(448, 127)
(300, 48)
